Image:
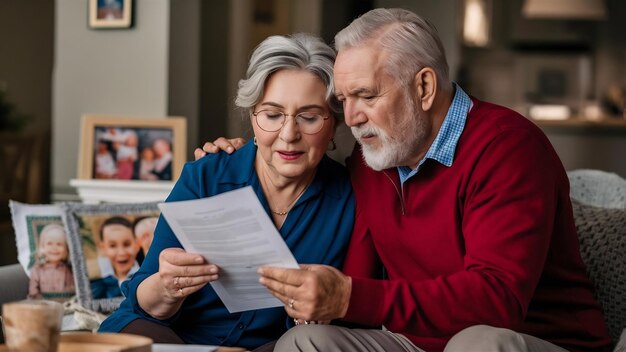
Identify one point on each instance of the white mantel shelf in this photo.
(117, 191)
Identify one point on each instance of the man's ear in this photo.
(425, 83)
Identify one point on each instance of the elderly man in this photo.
(464, 236)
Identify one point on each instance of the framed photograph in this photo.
(107, 244)
(127, 148)
(43, 250)
(110, 13)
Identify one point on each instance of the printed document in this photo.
(166, 347)
(233, 231)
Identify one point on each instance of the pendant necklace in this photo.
(283, 213)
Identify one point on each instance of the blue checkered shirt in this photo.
(444, 145)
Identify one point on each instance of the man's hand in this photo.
(314, 292)
(227, 145)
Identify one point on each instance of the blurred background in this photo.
(560, 62)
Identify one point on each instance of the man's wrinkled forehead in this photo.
(357, 64)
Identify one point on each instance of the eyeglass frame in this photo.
(295, 117)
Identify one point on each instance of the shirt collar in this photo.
(444, 146)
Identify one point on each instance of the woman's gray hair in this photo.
(411, 42)
(298, 51)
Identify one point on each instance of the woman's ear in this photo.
(425, 84)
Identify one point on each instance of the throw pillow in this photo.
(621, 344)
(43, 252)
(602, 235)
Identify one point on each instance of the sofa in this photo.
(599, 205)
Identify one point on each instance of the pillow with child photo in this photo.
(43, 251)
(108, 243)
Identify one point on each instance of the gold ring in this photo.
(291, 303)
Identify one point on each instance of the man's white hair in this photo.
(410, 42)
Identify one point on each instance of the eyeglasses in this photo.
(273, 120)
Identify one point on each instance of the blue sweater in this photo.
(317, 230)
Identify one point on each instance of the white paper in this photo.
(165, 347)
(233, 231)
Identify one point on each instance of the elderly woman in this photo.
(288, 91)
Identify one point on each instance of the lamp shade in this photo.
(476, 22)
(565, 9)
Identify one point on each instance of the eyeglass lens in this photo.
(272, 121)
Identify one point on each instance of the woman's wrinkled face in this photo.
(119, 245)
(288, 152)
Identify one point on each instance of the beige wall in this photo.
(104, 71)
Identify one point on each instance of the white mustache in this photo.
(359, 131)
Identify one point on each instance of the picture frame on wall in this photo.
(132, 148)
(110, 13)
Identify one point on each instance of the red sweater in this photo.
(490, 240)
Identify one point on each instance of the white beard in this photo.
(397, 148)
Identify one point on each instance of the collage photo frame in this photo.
(82, 250)
(107, 244)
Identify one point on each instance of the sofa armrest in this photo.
(14, 285)
(621, 344)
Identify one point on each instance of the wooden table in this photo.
(62, 348)
(107, 342)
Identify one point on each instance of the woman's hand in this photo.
(183, 273)
(180, 274)
(227, 145)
